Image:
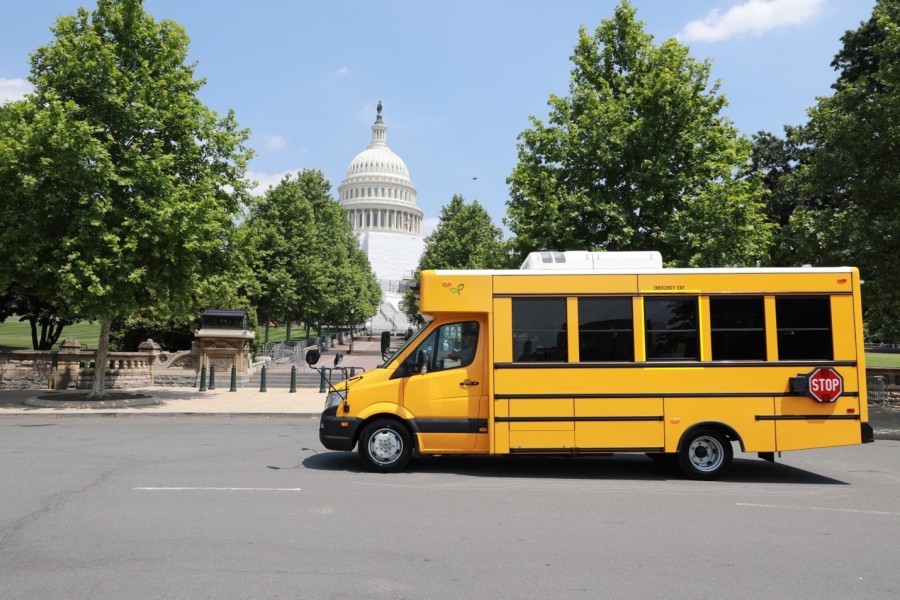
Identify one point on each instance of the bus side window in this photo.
(671, 328)
(804, 327)
(605, 329)
(539, 330)
(738, 327)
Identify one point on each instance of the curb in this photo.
(157, 415)
(40, 402)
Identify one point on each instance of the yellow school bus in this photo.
(591, 353)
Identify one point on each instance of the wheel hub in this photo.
(385, 446)
(706, 454)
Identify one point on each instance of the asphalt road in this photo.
(256, 508)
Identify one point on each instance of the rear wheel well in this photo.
(730, 434)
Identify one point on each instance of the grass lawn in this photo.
(880, 359)
(17, 336)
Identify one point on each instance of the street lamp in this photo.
(350, 349)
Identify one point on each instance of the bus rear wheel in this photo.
(385, 446)
(705, 454)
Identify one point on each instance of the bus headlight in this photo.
(334, 398)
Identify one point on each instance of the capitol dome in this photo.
(378, 160)
(377, 192)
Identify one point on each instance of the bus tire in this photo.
(385, 446)
(705, 454)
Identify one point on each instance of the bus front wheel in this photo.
(705, 454)
(385, 446)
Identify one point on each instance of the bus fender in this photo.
(726, 430)
(383, 408)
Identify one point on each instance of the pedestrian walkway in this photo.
(181, 401)
(276, 402)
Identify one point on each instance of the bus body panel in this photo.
(743, 415)
(607, 424)
(801, 424)
(565, 284)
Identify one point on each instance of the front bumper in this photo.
(337, 433)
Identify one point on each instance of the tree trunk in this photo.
(97, 388)
(54, 333)
(35, 345)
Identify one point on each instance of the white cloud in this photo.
(342, 72)
(13, 89)
(753, 16)
(274, 142)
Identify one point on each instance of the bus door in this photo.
(449, 401)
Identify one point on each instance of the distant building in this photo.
(380, 200)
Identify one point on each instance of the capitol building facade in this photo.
(380, 200)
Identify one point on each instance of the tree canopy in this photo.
(849, 173)
(308, 262)
(119, 188)
(465, 238)
(637, 157)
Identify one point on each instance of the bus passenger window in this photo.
(671, 325)
(804, 327)
(738, 328)
(605, 329)
(539, 330)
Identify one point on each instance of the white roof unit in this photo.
(577, 260)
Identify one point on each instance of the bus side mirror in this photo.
(421, 362)
(312, 357)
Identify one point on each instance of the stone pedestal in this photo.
(68, 360)
(223, 341)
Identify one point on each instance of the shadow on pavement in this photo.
(617, 467)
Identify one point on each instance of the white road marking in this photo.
(823, 508)
(213, 489)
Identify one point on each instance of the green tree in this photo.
(308, 263)
(281, 232)
(637, 157)
(465, 238)
(119, 187)
(350, 284)
(774, 161)
(850, 169)
(364, 291)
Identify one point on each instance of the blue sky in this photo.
(458, 80)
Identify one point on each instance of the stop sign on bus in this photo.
(825, 384)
